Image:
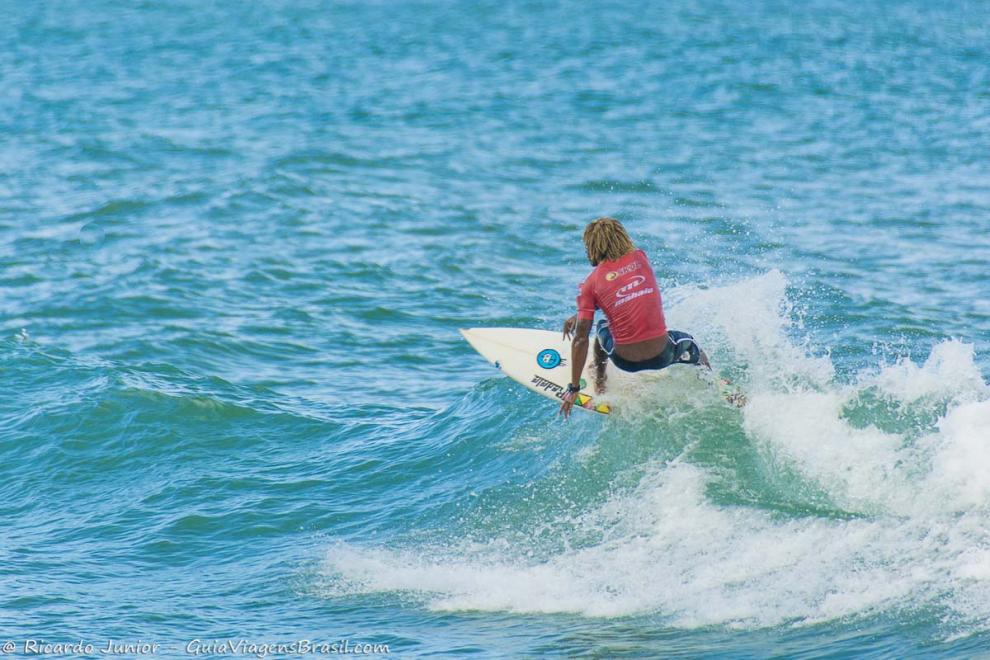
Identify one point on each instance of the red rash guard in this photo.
(626, 290)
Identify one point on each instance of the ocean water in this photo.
(237, 241)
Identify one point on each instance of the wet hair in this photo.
(606, 239)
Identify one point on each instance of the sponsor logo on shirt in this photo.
(628, 292)
(633, 296)
(628, 268)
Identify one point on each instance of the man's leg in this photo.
(601, 357)
(738, 399)
(603, 348)
(687, 350)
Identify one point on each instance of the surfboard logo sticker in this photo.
(548, 358)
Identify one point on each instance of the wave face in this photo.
(820, 501)
(237, 241)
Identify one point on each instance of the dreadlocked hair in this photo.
(606, 240)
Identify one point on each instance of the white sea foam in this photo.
(916, 533)
(950, 371)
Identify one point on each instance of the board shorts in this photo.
(681, 349)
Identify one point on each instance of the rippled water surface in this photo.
(237, 241)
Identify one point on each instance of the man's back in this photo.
(626, 291)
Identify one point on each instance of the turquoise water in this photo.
(237, 241)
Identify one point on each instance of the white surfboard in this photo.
(541, 361)
(537, 359)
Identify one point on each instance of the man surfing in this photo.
(633, 333)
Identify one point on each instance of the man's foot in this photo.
(738, 399)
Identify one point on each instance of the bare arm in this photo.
(579, 350)
(579, 355)
(569, 326)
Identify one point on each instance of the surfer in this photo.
(633, 333)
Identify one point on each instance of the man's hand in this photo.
(569, 326)
(568, 404)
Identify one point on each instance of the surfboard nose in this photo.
(472, 337)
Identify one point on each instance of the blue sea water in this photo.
(237, 241)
